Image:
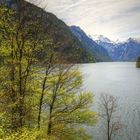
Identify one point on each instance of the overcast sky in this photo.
(115, 19)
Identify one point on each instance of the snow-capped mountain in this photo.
(100, 38)
(128, 50)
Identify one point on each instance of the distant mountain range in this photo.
(106, 50)
(100, 53)
(128, 50)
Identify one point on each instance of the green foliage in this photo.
(69, 107)
(138, 63)
(25, 134)
(17, 57)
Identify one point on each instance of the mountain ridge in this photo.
(55, 29)
(98, 51)
(128, 50)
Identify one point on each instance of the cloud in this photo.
(116, 19)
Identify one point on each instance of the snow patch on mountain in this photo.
(128, 50)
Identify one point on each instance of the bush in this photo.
(24, 134)
(138, 63)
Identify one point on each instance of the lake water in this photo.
(122, 80)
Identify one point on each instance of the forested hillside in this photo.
(56, 31)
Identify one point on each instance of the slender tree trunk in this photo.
(21, 85)
(43, 90)
(108, 130)
(52, 105)
(41, 101)
(50, 121)
(20, 91)
(13, 96)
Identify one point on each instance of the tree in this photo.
(67, 106)
(48, 64)
(138, 62)
(20, 43)
(108, 107)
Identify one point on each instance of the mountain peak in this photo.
(101, 38)
(75, 27)
(133, 40)
(88, 43)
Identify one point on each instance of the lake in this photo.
(122, 80)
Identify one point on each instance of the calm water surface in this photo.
(122, 80)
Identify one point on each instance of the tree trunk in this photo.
(43, 90)
(108, 130)
(50, 120)
(13, 94)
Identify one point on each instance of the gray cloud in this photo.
(116, 19)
